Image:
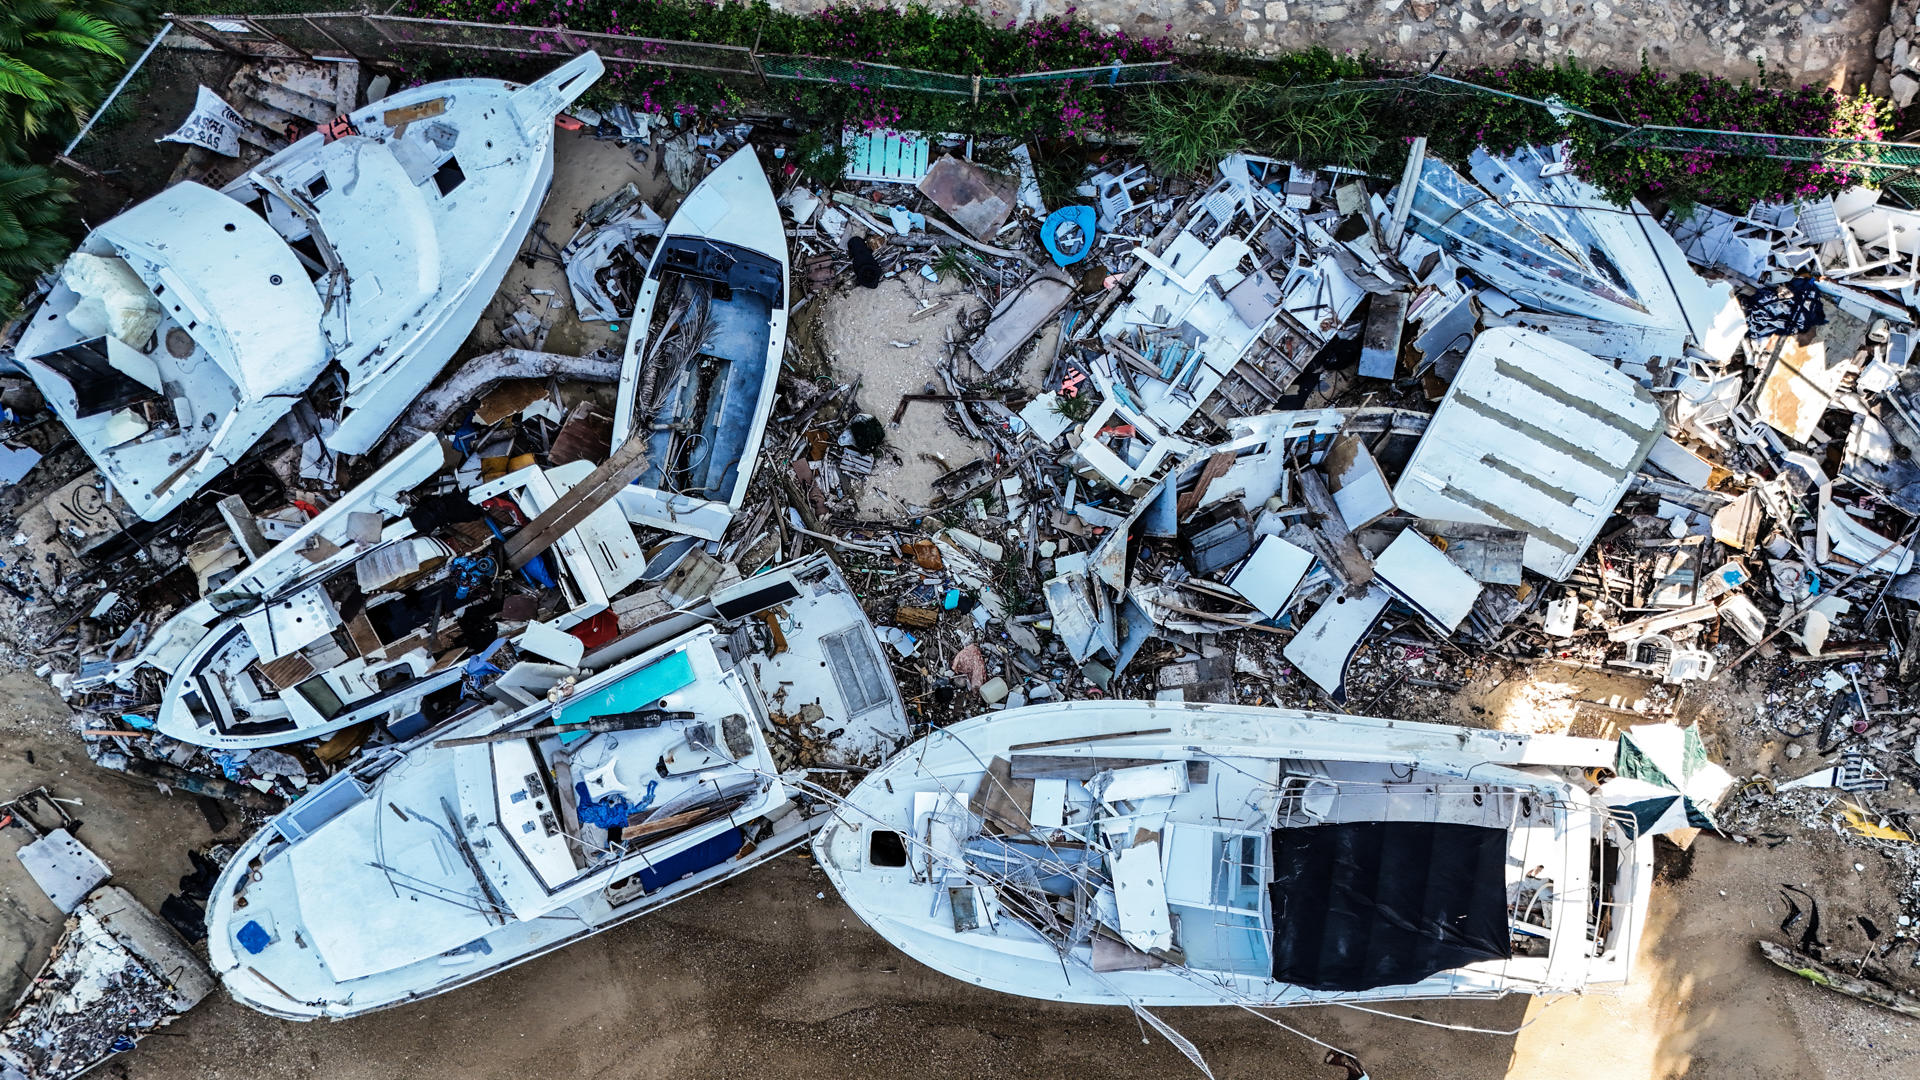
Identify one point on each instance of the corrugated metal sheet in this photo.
(1534, 435)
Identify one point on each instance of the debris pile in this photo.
(117, 973)
(1284, 436)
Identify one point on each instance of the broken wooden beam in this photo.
(581, 500)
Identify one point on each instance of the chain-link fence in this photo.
(370, 37)
(373, 37)
(871, 76)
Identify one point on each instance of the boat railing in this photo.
(1308, 798)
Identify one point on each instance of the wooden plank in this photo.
(1002, 800)
(1215, 468)
(1351, 564)
(409, 113)
(570, 509)
(1056, 767)
(568, 802)
(365, 639)
(684, 820)
(287, 672)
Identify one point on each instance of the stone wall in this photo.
(1806, 41)
(1898, 50)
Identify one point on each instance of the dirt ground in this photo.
(858, 329)
(585, 170)
(770, 974)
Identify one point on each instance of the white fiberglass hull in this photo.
(373, 407)
(905, 850)
(378, 494)
(485, 843)
(732, 208)
(510, 945)
(186, 328)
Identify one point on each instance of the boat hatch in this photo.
(887, 848)
(326, 803)
(98, 386)
(863, 680)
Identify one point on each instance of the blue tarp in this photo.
(705, 854)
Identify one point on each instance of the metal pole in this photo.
(121, 85)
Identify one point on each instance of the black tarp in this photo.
(1384, 903)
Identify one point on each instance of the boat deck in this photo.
(1168, 866)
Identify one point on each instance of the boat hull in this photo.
(373, 407)
(908, 899)
(733, 206)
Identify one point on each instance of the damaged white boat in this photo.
(1145, 854)
(560, 808)
(237, 706)
(184, 329)
(378, 631)
(703, 355)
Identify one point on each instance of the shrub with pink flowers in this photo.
(1722, 160)
(1819, 140)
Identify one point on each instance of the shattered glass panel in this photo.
(1476, 229)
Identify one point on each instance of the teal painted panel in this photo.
(640, 690)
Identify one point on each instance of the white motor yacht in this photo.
(181, 331)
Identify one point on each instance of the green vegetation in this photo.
(33, 226)
(1313, 106)
(58, 60)
(957, 262)
(1185, 129)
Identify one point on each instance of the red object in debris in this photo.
(1118, 431)
(568, 123)
(306, 508)
(598, 630)
(339, 128)
(970, 665)
(501, 505)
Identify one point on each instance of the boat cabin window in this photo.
(740, 607)
(449, 176)
(392, 678)
(1214, 867)
(887, 848)
(321, 696)
(98, 386)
